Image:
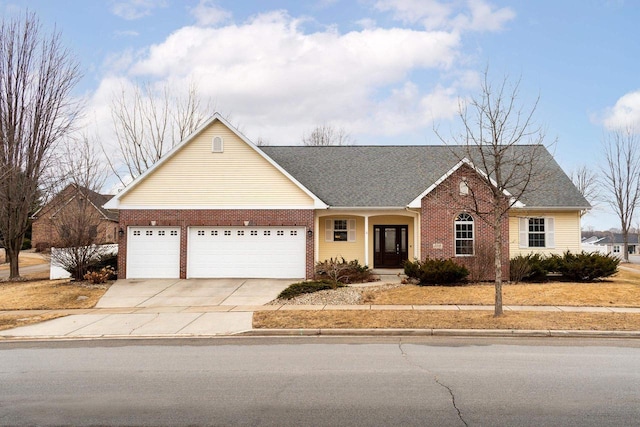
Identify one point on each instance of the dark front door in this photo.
(389, 246)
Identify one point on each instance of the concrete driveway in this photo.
(164, 307)
(192, 292)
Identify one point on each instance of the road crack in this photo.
(436, 380)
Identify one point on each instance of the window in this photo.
(340, 230)
(464, 234)
(294, 233)
(280, 233)
(174, 233)
(464, 188)
(200, 232)
(149, 233)
(136, 233)
(161, 233)
(217, 145)
(240, 233)
(227, 232)
(214, 232)
(616, 249)
(537, 232)
(254, 233)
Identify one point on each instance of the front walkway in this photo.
(212, 320)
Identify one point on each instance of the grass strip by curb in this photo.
(364, 319)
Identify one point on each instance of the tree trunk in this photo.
(497, 241)
(12, 252)
(625, 245)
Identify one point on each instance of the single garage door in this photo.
(252, 252)
(153, 252)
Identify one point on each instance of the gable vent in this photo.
(218, 144)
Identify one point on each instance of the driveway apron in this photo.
(165, 307)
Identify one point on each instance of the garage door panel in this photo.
(153, 252)
(260, 252)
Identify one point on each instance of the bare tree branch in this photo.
(37, 75)
(148, 123)
(587, 182)
(327, 135)
(496, 128)
(621, 178)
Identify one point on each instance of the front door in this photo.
(389, 246)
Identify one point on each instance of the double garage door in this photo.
(251, 252)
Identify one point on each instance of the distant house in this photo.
(104, 222)
(611, 243)
(217, 205)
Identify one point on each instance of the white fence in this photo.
(57, 272)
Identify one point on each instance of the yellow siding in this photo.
(391, 220)
(347, 250)
(355, 250)
(566, 230)
(195, 176)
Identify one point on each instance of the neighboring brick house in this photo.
(219, 206)
(104, 222)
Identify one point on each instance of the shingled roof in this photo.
(393, 176)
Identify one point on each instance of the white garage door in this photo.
(252, 252)
(153, 252)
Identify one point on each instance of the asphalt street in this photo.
(321, 381)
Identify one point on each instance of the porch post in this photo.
(366, 240)
(417, 234)
(316, 238)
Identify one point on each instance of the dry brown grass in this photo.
(25, 260)
(622, 290)
(360, 319)
(8, 321)
(48, 295)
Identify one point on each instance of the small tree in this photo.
(621, 178)
(494, 125)
(324, 135)
(77, 219)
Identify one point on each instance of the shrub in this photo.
(101, 276)
(339, 270)
(586, 267)
(43, 247)
(529, 268)
(105, 260)
(307, 288)
(435, 271)
(582, 267)
(26, 244)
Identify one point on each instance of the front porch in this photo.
(381, 239)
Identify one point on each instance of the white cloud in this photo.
(135, 9)
(435, 14)
(208, 13)
(625, 113)
(277, 79)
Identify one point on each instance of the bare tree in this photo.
(495, 126)
(77, 217)
(148, 123)
(327, 135)
(586, 181)
(37, 75)
(621, 178)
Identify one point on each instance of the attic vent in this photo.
(217, 145)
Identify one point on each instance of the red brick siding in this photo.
(439, 210)
(210, 217)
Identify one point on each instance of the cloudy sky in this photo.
(387, 71)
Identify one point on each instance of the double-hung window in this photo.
(537, 232)
(340, 230)
(464, 234)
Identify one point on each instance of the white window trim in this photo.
(330, 229)
(473, 235)
(215, 149)
(549, 232)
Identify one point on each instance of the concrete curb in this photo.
(442, 333)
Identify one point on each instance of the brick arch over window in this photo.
(464, 234)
